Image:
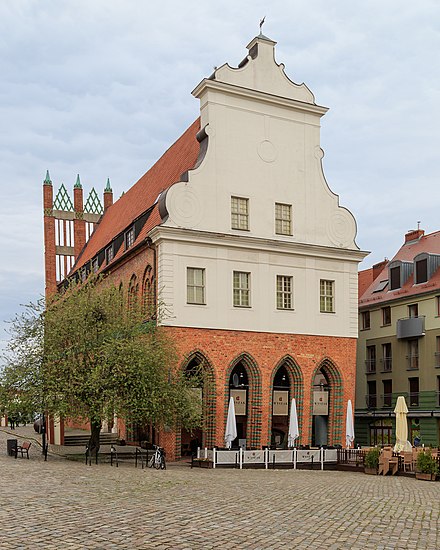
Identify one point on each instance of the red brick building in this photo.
(255, 263)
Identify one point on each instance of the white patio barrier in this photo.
(268, 458)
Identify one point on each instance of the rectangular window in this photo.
(326, 296)
(395, 278)
(109, 254)
(372, 396)
(422, 271)
(284, 292)
(241, 289)
(387, 393)
(95, 265)
(413, 392)
(129, 238)
(413, 310)
(437, 352)
(413, 354)
(365, 320)
(195, 285)
(370, 362)
(283, 219)
(438, 391)
(387, 357)
(386, 316)
(239, 213)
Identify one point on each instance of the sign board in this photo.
(320, 403)
(280, 403)
(239, 402)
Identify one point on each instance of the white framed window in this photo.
(241, 289)
(195, 285)
(284, 292)
(283, 219)
(327, 296)
(109, 254)
(240, 213)
(129, 238)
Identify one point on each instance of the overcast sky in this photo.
(103, 87)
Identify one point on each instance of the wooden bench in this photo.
(22, 449)
(201, 462)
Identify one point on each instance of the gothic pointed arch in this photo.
(193, 362)
(133, 289)
(254, 397)
(336, 406)
(295, 385)
(149, 292)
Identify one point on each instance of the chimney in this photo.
(377, 268)
(414, 235)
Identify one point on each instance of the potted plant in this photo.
(371, 461)
(426, 468)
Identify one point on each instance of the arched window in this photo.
(133, 289)
(149, 293)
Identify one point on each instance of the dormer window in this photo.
(129, 238)
(109, 254)
(95, 265)
(399, 271)
(395, 277)
(421, 271)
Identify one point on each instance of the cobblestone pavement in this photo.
(61, 504)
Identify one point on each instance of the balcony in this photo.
(370, 366)
(371, 401)
(411, 327)
(412, 361)
(387, 364)
(413, 399)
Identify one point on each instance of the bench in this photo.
(22, 449)
(201, 462)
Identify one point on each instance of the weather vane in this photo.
(261, 24)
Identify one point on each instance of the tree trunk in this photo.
(95, 430)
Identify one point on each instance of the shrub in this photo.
(426, 463)
(372, 458)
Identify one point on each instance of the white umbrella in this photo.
(231, 424)
(401, 410)
(349, 426)
(293, 425)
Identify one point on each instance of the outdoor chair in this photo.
(388, 462)
(408, 463)
(22, 449)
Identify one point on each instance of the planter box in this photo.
(425, 477)
(371, 471)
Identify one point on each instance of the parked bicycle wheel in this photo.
(151, 461)
(162, 463)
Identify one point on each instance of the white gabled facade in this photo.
(263, 144)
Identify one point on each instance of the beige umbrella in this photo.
(401, 410)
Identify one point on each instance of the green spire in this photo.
(108, 189)
(47, 180)
(78, 183)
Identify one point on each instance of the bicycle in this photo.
(158, 459)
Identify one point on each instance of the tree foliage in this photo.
(89, 355)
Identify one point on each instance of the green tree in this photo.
(90, 355)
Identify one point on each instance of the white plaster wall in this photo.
(264, 145)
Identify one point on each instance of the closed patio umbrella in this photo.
(293, 425)
(231, 424)
(401, 410)
(349, 426)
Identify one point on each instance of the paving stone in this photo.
(62, 504)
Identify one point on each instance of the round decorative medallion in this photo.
(341, 229)
(266, 151)
(184, 208)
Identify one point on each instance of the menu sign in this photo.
(320, 403)
(239, 402)
(280, 406)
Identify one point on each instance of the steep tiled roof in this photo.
(365, 279)
(428, 243)
(179, 158)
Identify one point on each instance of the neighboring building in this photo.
(237, 231)
(399, 343)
